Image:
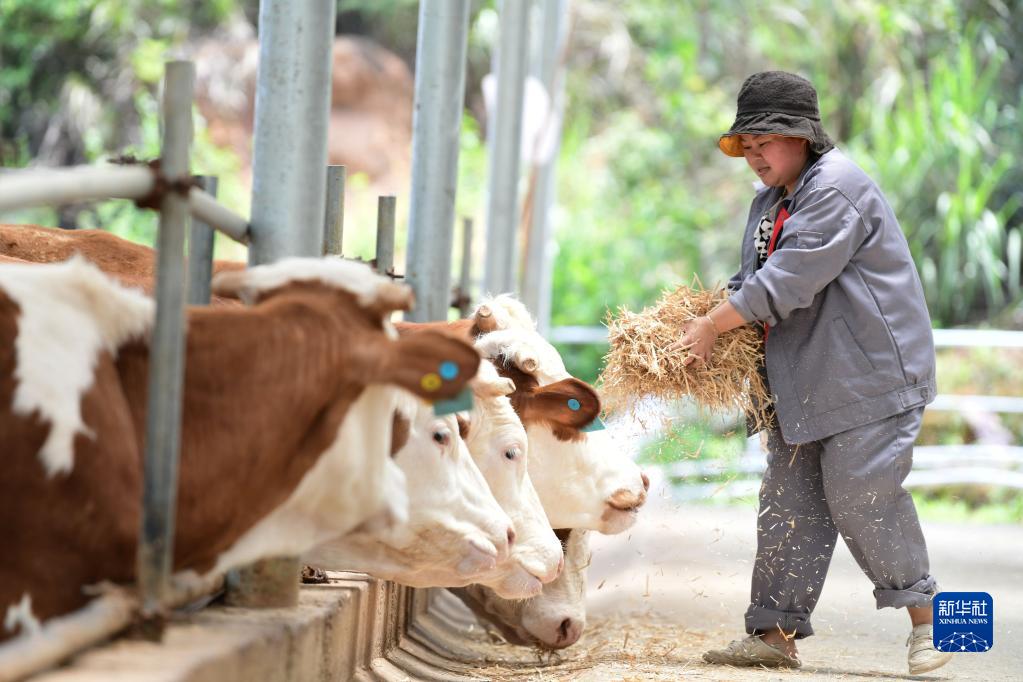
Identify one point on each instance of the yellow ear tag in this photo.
(431, 382)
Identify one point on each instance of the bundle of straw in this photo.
(640, 364)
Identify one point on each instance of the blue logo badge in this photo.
(963, 621)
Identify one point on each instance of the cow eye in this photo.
(511, 454)
(441, 437)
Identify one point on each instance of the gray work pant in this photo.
(849, 483)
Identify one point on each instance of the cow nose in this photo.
(568, 632)
(511, 537)
(561, 566)
(646, 481)
(563, 628)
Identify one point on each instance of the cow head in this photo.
(582, 480)
(456, 531)
(502, 312)
(498, 444)
(556, 618)
(355, 483)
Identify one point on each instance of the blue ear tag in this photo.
(573, 404)
(460, 403)
(448, 370)
(595, 425)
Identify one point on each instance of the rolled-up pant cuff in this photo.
(761, 619)
(916, 595)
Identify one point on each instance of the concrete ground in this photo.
(678, 584)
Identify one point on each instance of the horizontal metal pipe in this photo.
(206, 208)
(97, 621)
(59, 186)
(943, 338)
(56, 186)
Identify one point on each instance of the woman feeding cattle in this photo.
(827, 317)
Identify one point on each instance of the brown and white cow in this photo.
(582, 478)
(285, 437)
(453, 497)
(454, 473)
(555, 618)
(499, 445)
(456, 532)
(132, 264)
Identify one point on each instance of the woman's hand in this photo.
(698, 335)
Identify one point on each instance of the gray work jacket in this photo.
(850, 340)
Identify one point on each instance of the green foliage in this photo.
(974, 371)
(924, 95)
(87, 75)
(48, 45)
(969, 506)
(692, 440)
(932, 143)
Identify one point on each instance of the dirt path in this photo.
(679, 583)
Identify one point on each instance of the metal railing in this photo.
(170, 188)
(943, 338)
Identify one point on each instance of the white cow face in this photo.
(583, 481)
(556, 618)
(456, 531)
(498, 444)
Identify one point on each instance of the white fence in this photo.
(984, 464)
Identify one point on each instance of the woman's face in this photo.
(777, 160)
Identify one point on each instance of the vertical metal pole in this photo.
(505, 149)
(540, 246)
(292, 108)
(200, 252)
(385, 234)
(464, 299)
(334, 222)
(293, 88)
(436, 125)
(166, 366)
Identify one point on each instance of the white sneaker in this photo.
(923, 657)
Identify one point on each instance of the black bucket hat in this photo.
(777, 103)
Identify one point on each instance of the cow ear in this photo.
(391, 297)
(463, 426)
(433, 365)
(568, 403)
(230, 283)
(493, 387)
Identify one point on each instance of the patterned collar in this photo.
(762, 236)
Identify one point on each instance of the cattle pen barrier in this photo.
(387, 631)
(168, 186)
(384, 611)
